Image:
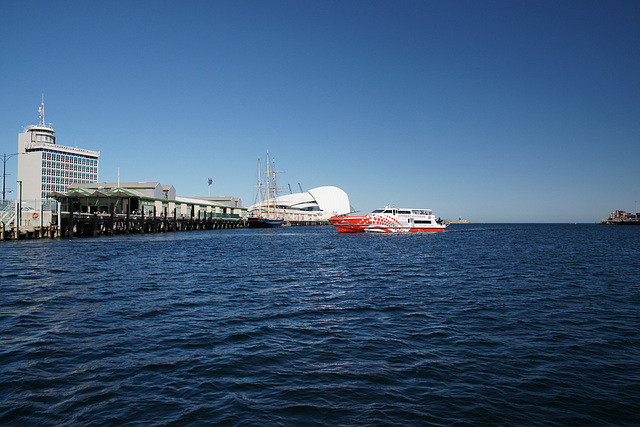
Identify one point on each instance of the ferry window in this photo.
(404, 212)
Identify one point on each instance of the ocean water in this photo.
(505, 324)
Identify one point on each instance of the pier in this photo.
(79, 224)
(80, 213)
(82, 224)
(85, 225)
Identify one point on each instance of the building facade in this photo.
(45, 167)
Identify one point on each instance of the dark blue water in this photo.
(483, 324)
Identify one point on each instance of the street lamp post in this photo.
(4, 158)
(19, 215)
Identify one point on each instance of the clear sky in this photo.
(496, 111)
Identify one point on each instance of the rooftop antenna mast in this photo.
(41, 111)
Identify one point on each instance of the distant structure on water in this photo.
(621, 218)
(460, 221)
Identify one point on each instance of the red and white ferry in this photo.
(390, 220)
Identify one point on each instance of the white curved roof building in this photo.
(319, 203)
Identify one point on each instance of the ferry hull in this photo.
(403, 230)
(350, 224)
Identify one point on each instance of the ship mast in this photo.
(259, 194)
(272, 188)
(270, 200)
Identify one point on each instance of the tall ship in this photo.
(264, 213)
(390, 220)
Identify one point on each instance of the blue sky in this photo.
(496, 111)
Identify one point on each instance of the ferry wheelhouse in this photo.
(390, 220)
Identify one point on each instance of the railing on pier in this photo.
(7, 212)
(28, 218)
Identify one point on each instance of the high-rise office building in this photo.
(44, 166)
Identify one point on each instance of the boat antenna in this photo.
(290, 192)
(300, 188)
